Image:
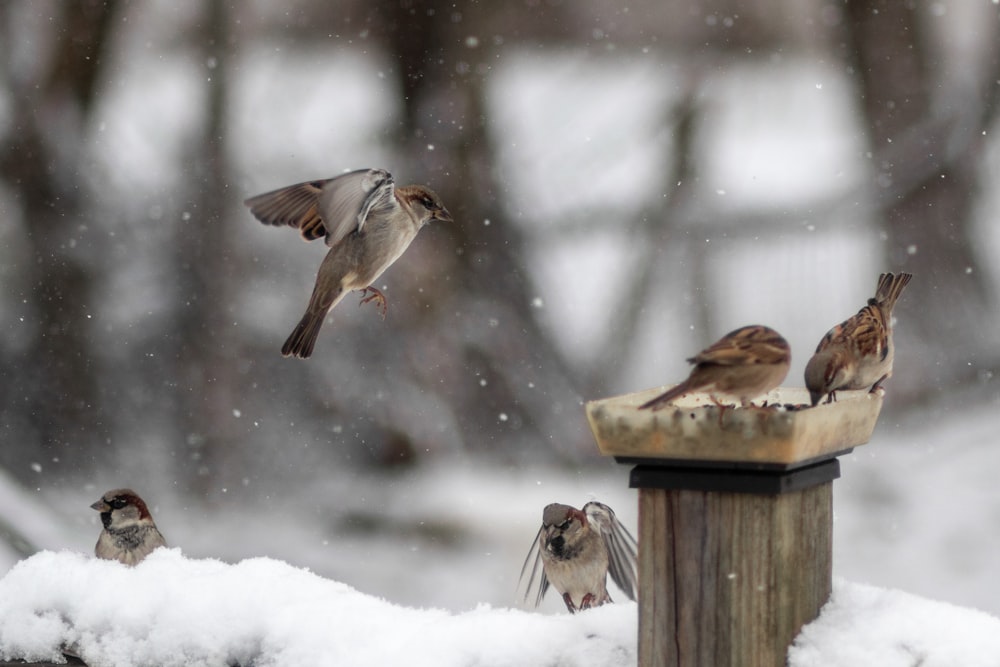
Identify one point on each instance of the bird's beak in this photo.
(443, 215)
(101, 506)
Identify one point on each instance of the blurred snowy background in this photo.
(628, 184)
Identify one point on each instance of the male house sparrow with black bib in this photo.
(858, 352)
(129, 533)
(576, 550)
(367, 223)
(744, 363)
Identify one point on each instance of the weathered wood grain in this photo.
(728, 579)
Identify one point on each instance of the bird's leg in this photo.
(381, 304)
(878, 384)
(588, 601)
(569, 603)
(719, 404)
(831, 398)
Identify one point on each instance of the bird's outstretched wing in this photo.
(295, 205)
(620, 545)
(347, 201)
(331, 208)
(537, 581)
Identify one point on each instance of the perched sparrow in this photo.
(367, 223)
(857, 353)
(129, 532)
(744, 363)
(577, 549)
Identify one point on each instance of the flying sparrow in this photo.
(577, 549)
(858, 352)
(367, 222)
(129, 533)
(745, 363)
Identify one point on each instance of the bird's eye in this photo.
(117, 503)
(565, 524)
(428, 203)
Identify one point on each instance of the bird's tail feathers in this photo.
(666, 397)
(302, 340)
(890, 286)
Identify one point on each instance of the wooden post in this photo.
(729, 577)
(735, 520)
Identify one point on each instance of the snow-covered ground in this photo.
(173, 610)
(865, 626)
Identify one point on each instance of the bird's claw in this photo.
(381, 304)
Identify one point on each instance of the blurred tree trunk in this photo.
(51, 378)
(207, 348)
(657, 226)
(925, 155)
(524, 385)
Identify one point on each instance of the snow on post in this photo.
(735, 518)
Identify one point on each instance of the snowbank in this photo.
(173, 610)
(864, 626)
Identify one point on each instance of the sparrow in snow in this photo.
(577, 549)
(129, 533)
(744, 363)
(367, 223)
(858, 352)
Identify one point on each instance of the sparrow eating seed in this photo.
(744, 363)
(858, 352)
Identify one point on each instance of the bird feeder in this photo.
(735, 517)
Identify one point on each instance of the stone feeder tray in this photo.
(692, 431)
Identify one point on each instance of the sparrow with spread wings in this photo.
(575, 551)
(367, 223)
